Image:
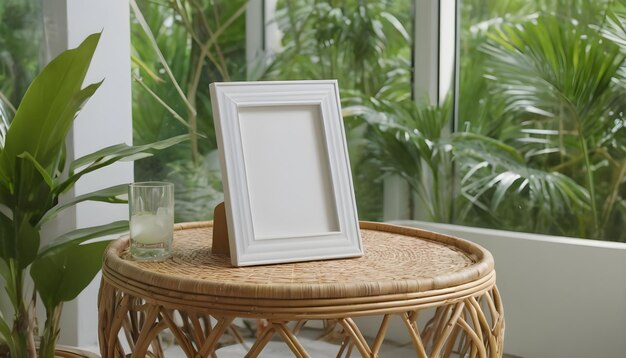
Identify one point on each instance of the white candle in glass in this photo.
(151, 207)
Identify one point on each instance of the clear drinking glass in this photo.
(151, 206)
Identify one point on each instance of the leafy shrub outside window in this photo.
(539, 143)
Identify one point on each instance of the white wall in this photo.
(562, 297)
(105, 120)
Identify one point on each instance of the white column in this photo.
(396, 201)
(433, 60)
(447, 48)
(435, 49)
(105, 120)
(426, 51)
(255, 38)
(263, 37)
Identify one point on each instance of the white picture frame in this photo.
(288, 190)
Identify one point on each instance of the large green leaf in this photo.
(41, 170)
(7, 244)
(109, 155)
(49, 107)
(62, 273)
(411, 141)
(27, 244)
(33, 193)
(65, 267)
(79, 236)
(32, 190)
(116, 195)
(121, 151)
(5, 331)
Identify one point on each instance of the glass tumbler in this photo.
(151, 206)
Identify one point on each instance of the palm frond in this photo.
(615, 29)
(494, 173)
(553, 69)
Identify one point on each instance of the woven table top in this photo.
(397, 260)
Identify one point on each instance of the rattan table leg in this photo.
(380, 336)
(140, 322)
(447, 329)
(472, 326)
(260, 343)
(182, 339)
(411, 326)
(346, 346)
(357, 337)
(216, 333)
(290, 339)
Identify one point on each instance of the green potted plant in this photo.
(33, 176)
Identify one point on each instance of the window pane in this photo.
(541, 139)
(365, 45)
(20, 44)
(201, 42)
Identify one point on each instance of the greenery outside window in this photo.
(181, 47)
(543, 83)
(20, 47)
(538, 142)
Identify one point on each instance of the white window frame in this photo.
(557, 302)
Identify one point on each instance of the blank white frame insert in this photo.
(280, 209)
(285, 169)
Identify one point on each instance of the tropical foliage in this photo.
(375, 61)
(538, 143)
(552, 75)
(539, 126)
(366, 47)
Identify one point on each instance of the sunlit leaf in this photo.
(48, 108)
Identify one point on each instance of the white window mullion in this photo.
(255, 34)
(426, 51)
(434, 61)
(263, 37)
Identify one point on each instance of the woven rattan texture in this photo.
(396, 260)
(388, 257)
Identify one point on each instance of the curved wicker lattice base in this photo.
(71, 352)
(472, 326)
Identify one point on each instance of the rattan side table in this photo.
(403, 273)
